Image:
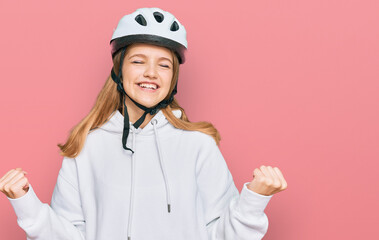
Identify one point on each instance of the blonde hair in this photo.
(110, 100)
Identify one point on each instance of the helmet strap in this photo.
(152, 110)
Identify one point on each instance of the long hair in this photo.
(109, 100)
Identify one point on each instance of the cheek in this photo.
(128, 77)
(131, 71)
(167, 85)
(166, 78)
(126, 81)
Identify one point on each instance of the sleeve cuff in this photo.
(27, 206)
(252, 202)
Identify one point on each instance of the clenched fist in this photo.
(14, 184)
(267, 181)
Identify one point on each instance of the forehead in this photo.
(148, 50)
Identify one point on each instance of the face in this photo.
(147, 73)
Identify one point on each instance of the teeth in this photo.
(145, 85)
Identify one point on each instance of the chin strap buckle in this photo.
(153, 111)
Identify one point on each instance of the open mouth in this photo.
(151, 87)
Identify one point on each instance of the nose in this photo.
(150, 71)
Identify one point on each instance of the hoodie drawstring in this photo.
(153, 122)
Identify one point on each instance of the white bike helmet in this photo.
(153, 26)
(150, 25)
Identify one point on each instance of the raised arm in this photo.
(63, 219)
(228, 214)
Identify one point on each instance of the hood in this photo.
(115, 124)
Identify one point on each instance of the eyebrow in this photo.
(142, 55)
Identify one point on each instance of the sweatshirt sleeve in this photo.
(228, 214)
(62, 220)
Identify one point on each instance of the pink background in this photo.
(292, 84)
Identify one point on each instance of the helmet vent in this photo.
(158, 16)
(141, 20)
(174, 26)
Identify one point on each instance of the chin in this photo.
(147, 101)
(148, 104)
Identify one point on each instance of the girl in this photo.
(135, 167)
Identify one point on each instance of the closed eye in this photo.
(166, 66)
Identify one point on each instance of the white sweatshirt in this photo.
(109, 193)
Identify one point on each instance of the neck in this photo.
(135, 112)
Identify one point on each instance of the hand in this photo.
(14, 184)
(267, 181)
